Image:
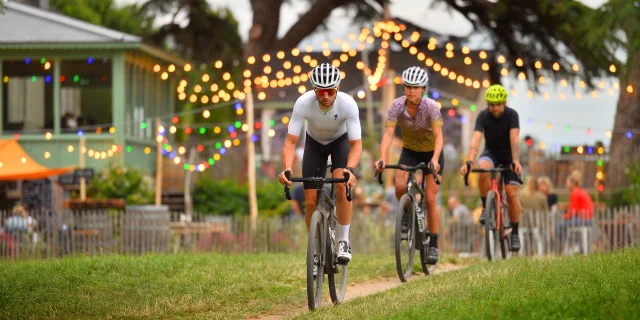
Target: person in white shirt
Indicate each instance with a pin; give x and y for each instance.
(333, 129)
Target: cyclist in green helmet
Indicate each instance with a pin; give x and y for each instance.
(501, 129)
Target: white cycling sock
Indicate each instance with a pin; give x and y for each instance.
(343, 232)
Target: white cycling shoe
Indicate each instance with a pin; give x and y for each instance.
(344, 252)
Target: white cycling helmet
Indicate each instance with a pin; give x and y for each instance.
(325, 76)
(415, 77)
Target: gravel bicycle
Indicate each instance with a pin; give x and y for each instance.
(322, 251)
(496, 217)
(411, 213)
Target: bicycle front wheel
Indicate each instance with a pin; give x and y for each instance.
(316, 250)
(405, 237)
(337, 296)
(490, 231)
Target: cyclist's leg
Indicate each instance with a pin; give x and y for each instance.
(339, 150)
(400, 178)
(486, 161)
(314, 161)
(433, 212)
(513, 203)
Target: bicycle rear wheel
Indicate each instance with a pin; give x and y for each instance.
(405, 237)
(316, 250)
(490, 231)
(341, 269)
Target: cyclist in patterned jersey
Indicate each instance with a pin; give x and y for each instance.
(421, 124)
(333, 128)
(500, 127)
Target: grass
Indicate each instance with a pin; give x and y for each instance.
(600, 286)
(165, 286)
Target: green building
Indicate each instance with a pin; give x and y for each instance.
(62, 78)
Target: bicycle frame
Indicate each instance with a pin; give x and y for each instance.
(498, 188)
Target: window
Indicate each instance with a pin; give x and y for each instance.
(85, 95)
(27, 95)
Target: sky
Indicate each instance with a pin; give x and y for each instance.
(596, 114)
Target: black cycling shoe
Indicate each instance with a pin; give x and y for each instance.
(432, 255)
(515, 242)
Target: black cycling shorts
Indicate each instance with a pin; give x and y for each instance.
(509, 177)
(316, 154)
(413, 158)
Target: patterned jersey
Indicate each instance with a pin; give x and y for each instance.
(417, 133)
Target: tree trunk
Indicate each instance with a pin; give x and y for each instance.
(625, 151)
(264, 29)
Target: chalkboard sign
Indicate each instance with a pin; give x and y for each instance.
(87, 173)
(67, 179)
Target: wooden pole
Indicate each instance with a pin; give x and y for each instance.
(251, 164)
(159, 166)
(188, 201)
(83, 181)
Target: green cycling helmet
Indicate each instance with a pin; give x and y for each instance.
(496, 94)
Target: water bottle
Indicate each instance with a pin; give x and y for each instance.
(420, 216)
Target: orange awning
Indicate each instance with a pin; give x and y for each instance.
(16, 164)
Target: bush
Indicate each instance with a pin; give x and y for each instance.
(631, 194)
(225, 197)
(121, 182)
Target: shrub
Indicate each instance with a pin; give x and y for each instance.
(225, 197)
(122, 182)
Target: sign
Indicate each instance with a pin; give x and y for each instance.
(67, 179)
(86, 173)
(74, 178)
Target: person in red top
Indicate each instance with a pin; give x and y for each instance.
(580, 211)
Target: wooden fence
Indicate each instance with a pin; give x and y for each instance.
(101, 232)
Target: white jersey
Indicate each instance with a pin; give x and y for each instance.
(326, 126)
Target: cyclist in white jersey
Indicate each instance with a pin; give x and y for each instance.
(333, 128)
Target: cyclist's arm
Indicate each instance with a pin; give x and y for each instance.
(288, 151)
(514, 137)
(475, 144)
(386, 142)
(293, 134)
(354, 153)
(438, 142)
(354, 133)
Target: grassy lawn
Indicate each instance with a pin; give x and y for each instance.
(164, 286)
(594, 287)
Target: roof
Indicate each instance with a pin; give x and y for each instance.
(24, 27)
(16, 164)
(23, 23)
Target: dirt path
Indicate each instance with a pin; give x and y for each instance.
(355, 291)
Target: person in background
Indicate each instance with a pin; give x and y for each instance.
(531, 199)
(461, 228)
(297, 203)
(546, 187)
(580, 211)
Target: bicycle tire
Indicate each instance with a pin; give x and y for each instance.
(505, 243)
(405, 207)
(314, 286)
(490, 230)
(337, 297)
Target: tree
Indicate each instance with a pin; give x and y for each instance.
(549, 31)
(617, 25)
(128, 19)
(208, 35)
(263, 35)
